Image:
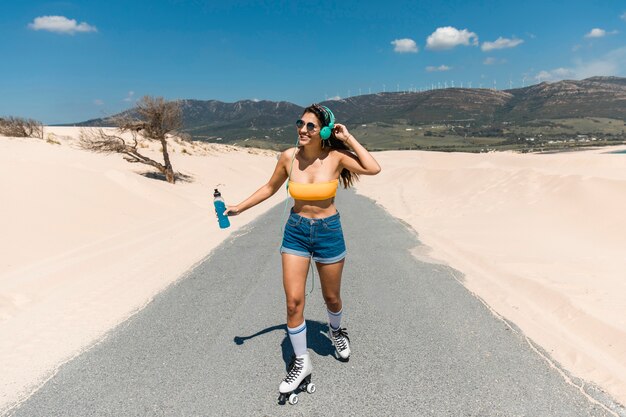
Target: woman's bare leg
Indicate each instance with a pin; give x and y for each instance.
(330, 280)
(295, 270)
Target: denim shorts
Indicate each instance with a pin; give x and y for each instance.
(321, 239)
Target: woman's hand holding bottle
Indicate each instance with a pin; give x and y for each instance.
(231, 211)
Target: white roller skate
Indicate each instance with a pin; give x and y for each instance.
(341, 342)
(298, 379)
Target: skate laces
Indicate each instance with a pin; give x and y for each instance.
(295, 368)
(340, 337)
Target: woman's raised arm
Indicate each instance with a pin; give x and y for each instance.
(363, 163)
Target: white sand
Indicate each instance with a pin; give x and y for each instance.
(87, 241)
(540, 238)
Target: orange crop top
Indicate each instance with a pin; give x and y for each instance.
(313, 192)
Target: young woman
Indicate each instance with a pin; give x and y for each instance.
(313, 230)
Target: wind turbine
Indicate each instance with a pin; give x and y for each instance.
(470, 84)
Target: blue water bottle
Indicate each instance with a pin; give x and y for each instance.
(220, 208)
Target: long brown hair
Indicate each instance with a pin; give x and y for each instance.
(347, 177)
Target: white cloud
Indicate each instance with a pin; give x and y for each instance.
(554, 75)
(493, 61)
(610, 64)
(562, 72)
(403, 46)
(129, 97)
(501, 43)
(600, 33)
(449, 37)
(60, 24)
(623, 16)
(98, 102)
(440, 68)
(596, 33)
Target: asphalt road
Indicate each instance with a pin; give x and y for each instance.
(215, 344)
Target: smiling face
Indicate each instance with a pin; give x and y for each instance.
(307, 135)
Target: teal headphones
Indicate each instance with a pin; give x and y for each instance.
(326, 131)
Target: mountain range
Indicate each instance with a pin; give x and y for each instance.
(271, 124)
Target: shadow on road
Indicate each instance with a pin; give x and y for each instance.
(316, 337)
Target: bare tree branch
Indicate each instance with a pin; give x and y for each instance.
(158, 118)
(20, 127)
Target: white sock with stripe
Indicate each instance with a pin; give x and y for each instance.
(297, 335)
(334, 318)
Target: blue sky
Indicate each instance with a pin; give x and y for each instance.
(66, 61)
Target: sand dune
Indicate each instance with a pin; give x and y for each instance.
(540, 238)
(89, 239)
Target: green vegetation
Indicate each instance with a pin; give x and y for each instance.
(542, 135)
(533, 136)
(467, 136)
(587, 125)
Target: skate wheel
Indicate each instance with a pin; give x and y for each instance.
(293, 399)
(310, 388)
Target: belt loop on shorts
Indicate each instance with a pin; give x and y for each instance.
(326, 219)
(298, 217)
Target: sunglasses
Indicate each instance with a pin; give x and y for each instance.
(310, 127)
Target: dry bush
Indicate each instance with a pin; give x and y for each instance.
(20, 128)
(52, 139)
(185, 137)
(157, 118)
